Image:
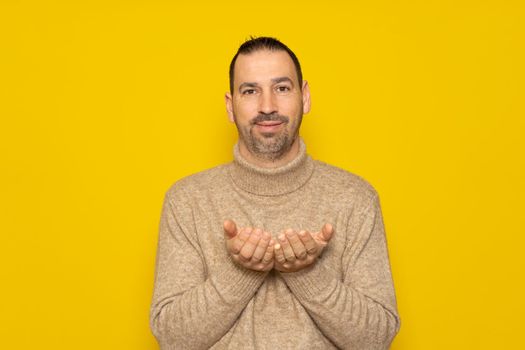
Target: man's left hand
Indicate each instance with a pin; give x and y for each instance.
(297, 250)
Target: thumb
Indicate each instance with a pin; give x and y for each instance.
(326, 232)
(230, 229)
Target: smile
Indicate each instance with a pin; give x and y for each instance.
(269, 126)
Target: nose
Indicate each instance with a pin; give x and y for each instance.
(267, 103)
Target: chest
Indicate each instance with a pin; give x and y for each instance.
(301, 211)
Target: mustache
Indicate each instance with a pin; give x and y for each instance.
(269, 118)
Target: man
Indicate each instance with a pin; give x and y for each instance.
(274, 250)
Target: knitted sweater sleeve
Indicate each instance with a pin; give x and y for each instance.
(191, 310)
(357, 311)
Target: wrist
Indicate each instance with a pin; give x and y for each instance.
(296, 266)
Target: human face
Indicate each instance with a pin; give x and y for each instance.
(267, 104)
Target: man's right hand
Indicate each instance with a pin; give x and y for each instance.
(251, 248)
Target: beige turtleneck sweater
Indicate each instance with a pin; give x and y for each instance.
(202, 299)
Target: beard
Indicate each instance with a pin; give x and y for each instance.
(270, 146)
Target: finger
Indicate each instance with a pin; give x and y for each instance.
(287, 248)
(230, 229)
(268, 255)
(296, 244)
(309, 242)
(249, 246)
(240, 239)
(279, 254)
(327, 232)
(260, 250)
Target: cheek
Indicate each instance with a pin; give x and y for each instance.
(291, 106)
(245, 109)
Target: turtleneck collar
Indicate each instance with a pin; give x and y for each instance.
(271, 181)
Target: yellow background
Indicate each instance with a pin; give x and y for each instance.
(104, 105)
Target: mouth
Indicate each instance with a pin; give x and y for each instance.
(270, 123)
(269, 126)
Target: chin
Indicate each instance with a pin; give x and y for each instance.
(268, 135)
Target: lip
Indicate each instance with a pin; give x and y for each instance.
(270, 122)
(269, 126)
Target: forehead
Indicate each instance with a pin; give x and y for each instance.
(263, 65)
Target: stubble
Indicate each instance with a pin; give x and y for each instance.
(269, 146)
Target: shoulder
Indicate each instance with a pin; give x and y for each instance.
(343, 182)
(202, 181)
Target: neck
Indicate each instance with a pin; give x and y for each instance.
(274, 181)
(270, 163)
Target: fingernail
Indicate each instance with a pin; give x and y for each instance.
(282, 238)
(277, 246)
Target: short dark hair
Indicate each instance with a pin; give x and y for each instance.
(264, 43)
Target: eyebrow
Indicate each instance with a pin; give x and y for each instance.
(243, 85)
(274, 81)
(281, 79)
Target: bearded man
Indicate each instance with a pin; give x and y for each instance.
(274, 250)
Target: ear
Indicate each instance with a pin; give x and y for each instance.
(229, 106)
(306, 97)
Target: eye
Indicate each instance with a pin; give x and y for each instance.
(248, 92)
(283, 88)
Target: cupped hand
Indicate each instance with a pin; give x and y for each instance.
(251, 248)
(296, 250)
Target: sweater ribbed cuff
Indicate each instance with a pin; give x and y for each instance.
(309, 282)
(236, 283)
